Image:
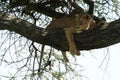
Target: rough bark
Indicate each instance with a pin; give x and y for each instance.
(90, 39)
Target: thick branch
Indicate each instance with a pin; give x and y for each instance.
(46, 10)
(43, 9)
(91, 39)
(91, 6)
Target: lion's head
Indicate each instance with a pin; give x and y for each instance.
(83, 22)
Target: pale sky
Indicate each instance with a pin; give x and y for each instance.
(103, 65)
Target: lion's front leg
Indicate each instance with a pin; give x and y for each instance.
(72, 46)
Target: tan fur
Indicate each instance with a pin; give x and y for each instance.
(71, 25)
(64, 22)
(83, 23)
(65, 56)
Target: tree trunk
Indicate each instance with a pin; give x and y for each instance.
(98, 37)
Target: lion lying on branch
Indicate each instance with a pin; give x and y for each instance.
(73, 24)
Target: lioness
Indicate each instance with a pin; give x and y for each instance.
(83, 22)
(74, 24)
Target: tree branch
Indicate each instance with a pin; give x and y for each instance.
(46, 10)
(90, 39)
